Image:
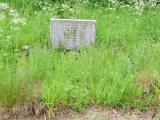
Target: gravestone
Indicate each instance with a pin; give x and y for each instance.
(72, 34)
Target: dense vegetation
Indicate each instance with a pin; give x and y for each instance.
(121, 70)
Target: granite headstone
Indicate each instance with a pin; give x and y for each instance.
(72, 34)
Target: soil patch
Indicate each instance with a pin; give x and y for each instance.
(90, 113)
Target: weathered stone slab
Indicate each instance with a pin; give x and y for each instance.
(72, 34)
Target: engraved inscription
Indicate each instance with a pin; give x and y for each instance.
(70, 33)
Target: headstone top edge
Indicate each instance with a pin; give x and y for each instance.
(73, 20)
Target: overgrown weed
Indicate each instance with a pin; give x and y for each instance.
(127, 49)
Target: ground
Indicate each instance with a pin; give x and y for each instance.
(121, 69)
(90, 113)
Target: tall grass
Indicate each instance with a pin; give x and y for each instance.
(127, 46)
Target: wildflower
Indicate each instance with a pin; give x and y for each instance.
(44, 5)
(4, 6)
(13, 13)
(139, 7)
(18, 21)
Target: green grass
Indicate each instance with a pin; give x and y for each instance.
(105, 74)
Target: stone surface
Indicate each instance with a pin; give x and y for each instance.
(72, 34)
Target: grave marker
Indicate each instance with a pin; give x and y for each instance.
(72, 34)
